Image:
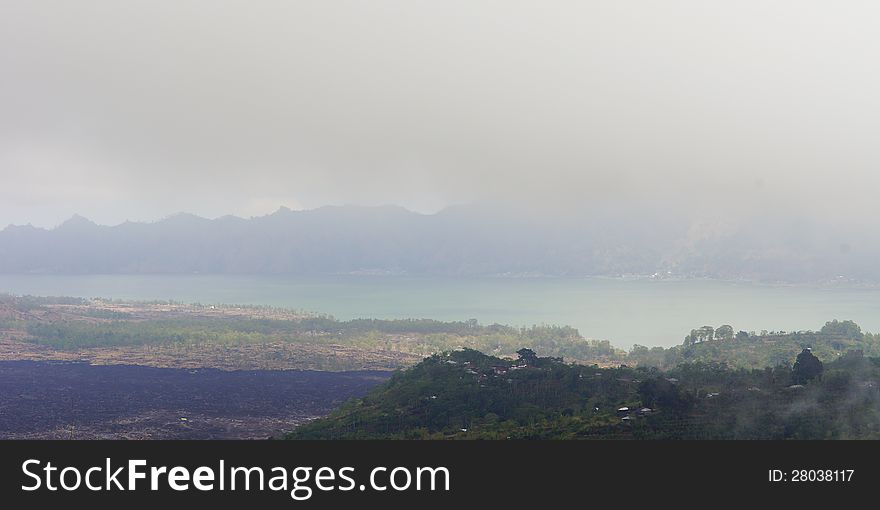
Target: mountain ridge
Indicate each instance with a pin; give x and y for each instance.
(457, 241)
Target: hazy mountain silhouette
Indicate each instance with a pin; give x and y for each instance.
(455, 241)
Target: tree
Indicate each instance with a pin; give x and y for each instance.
(844, 329)
(659, 392)
(742, 335)
(708, 333)
(528, 356)
(724, 332)
(704, 334)
(806, 367)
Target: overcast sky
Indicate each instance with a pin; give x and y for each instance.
(137, 110)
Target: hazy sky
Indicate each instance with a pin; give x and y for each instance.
(136, 110)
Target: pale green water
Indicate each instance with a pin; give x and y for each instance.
(641, 311)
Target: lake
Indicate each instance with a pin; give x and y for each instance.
(624, 311)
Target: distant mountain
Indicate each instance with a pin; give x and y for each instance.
(460, 241)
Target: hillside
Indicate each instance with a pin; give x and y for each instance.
(757, 350)
(468, 395)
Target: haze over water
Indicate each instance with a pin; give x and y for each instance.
(624, 311)
(733, 141)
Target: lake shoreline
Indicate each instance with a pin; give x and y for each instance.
(599, 307)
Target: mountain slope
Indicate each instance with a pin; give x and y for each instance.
(459, 241)
(467, 395)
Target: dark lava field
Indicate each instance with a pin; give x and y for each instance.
(69, 400)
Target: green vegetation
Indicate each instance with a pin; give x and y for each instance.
(719, 383)
(421, 337)
(72, 324)
(751, 350)
(468, 395)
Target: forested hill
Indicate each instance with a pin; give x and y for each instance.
(757, 350)
(468, 395)
(455, 241)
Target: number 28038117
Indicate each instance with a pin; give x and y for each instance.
(811, 475)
